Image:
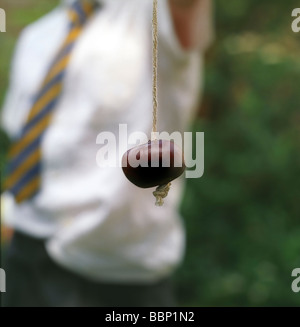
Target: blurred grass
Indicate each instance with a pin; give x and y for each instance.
(242, 216)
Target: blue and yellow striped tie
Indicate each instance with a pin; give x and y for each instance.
(25, 157)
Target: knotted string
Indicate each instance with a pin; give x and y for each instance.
(162, 190)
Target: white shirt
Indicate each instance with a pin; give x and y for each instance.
(97, 223)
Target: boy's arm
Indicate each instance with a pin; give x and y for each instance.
(192, 22)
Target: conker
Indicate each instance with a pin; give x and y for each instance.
(155, 163)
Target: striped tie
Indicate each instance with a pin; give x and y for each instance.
(25, 157)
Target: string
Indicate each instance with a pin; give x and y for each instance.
(162, 190)
(160, 193)
(154, 57)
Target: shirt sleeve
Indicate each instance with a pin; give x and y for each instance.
(9, 113)
(167, 34)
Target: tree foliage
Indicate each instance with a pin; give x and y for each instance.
(242, 216)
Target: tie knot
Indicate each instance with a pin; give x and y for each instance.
(80, 11)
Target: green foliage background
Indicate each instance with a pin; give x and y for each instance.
(242, 216)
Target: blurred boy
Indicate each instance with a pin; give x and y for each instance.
(87, 237)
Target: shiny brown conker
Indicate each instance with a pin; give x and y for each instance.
(155, 163)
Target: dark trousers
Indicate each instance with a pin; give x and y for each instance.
(34, 280)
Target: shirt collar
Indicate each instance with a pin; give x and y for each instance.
(69, 2)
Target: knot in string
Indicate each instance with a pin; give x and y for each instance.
(160, 193)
